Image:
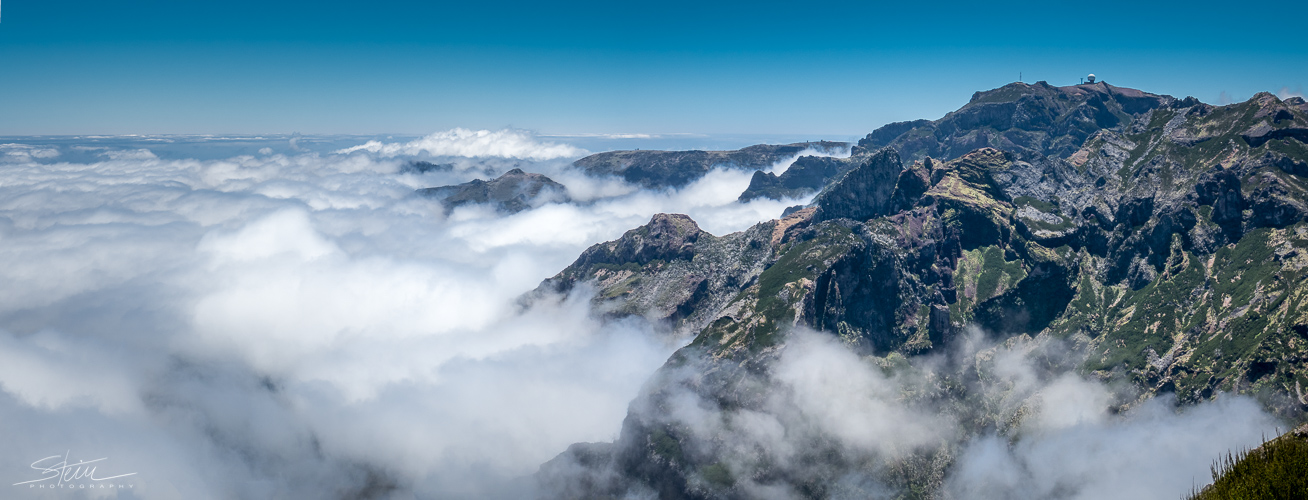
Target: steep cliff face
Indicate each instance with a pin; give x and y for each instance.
(1167, 248)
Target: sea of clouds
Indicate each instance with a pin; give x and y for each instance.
(299, 325)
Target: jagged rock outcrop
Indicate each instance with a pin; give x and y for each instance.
(862, 192)
(1166, 248)
(1274, 120)
(512, 192)
(675, 169)
(806, 176)
(669, 270)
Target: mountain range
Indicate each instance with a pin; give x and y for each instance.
(1162, 241)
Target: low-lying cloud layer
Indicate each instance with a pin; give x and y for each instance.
(279, 326)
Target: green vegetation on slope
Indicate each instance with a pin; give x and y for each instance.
(1277, 470)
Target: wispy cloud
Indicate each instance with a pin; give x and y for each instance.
(507, 143)
(1286, 93)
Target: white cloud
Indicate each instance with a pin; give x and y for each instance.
(1286, 93)
(273, 326)
(24, 152)
(839, 393)
(507, 143)
(133, 154)
(1150, 452)
(1011, 420)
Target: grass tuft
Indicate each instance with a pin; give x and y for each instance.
(1276, 470)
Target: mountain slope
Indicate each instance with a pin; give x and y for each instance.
(1166, 249)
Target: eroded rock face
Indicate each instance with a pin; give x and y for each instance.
(862, 192)
(668, 269)
(1166, 248)
(512, 192)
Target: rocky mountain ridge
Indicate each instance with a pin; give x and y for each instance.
(1162, 239)
(654, 169)
(1031, 121)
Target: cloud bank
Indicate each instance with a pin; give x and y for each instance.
(24, 152)
(506, 143)
(278, 326)
(988, 420)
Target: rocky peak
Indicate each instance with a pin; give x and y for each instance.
(862, 192)
(512, 192)
(666, 237)
(978, 168)
(1297, 102)
(1262, 118)
(669, 270)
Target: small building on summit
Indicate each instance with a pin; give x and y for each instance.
(1090, 79)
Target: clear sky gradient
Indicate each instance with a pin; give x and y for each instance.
(838, 69)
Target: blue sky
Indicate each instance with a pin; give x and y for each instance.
(834, 70)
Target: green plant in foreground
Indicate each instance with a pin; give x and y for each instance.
(1276, 470)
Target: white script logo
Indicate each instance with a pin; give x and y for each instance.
(57, 472)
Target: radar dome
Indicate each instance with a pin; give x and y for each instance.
(1091, 78)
